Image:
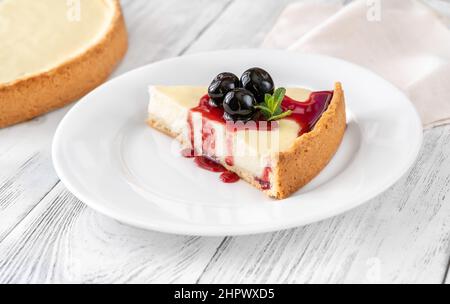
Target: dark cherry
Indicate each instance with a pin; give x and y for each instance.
(220, 86)
(239, 105)
(259, 82)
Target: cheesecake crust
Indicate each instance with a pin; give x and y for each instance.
(34, 95)
(312, 151)
(161, 127)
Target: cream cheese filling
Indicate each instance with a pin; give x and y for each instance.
(38, 35)
(252, 150)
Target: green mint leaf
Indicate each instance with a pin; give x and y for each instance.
(271, 107)
(280, 116)
(263, 107)
(265, 110)
(277, 111)
(271, 104)
(279, 95)
(266, 98)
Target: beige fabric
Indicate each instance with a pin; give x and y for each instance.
(405, 41)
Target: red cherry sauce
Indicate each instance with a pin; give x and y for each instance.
(211, 165)
(305, 113)
(188, 153)
(264, 180)
(229, 177)
(208, 141)
(308, 112)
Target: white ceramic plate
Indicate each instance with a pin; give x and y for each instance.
(107, 156)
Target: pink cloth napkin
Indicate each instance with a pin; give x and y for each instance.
(404, 41)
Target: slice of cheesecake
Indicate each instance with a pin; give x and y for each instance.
(276, 157)
(53, 52)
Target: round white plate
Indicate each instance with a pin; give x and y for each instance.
(110, 159)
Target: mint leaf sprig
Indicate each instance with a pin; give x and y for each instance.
(271, 107)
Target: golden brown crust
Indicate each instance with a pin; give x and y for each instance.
(312, 151)
(29, 97)
(161, 127)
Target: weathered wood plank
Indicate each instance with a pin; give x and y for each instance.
(21, 191)
(63, 241)
(244, 24)
(165, 28)
(26, 170)
(401, 236)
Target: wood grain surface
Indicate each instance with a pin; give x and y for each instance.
(49, 236)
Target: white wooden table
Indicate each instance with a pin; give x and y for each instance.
(48, 235)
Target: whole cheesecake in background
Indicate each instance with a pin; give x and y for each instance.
(53, 52)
